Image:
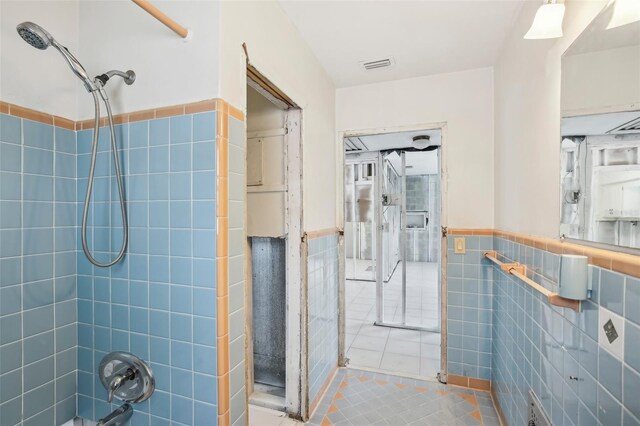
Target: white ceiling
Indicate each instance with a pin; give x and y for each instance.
(599, 124)
(385, 141)
(424, 36)
(418, 163)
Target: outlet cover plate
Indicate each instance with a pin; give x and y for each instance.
(615, 347)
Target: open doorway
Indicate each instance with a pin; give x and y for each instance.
(393, 257)
(273, 251)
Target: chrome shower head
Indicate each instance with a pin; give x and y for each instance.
(35, 35)
(39, 38)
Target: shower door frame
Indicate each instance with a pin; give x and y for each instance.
(380, 320)
(340, 213)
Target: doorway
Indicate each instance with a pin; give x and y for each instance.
(393, 257)
(273, 249)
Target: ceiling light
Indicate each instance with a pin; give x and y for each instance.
(548, 21)
(421, 141)
(624, 12)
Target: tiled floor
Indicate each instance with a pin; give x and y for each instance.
(395, 350)
(361, 398)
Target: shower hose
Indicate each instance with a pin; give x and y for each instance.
(87, 198)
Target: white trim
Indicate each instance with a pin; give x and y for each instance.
(295, 384)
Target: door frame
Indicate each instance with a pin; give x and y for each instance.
(296, 323)
(341, 161)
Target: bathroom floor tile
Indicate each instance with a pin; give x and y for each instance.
(400, 363)
(403, 347)
(362, 398)
(364, 358)
(369, 344)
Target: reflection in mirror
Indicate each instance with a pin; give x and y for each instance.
(600, 134)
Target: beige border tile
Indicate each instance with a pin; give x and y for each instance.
(170, 111)
(620, 262)
(64, 123)
(236, 113)
(130, 117)
(202, 106)
(479, 384)
(30, 114)
(453, 379)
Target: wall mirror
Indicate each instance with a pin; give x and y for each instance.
(600, 131)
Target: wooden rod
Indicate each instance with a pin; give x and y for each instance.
(160, 16)
(530, 282)
(519, 271)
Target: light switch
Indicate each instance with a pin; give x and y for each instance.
(459, 246)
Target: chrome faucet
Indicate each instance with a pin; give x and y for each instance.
(118, 380)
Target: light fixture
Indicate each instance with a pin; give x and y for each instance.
(624, 12)
(421, 141)
(548, 21)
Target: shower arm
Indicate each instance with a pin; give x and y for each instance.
(129, 77)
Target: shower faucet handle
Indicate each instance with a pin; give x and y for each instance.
(117, 381)
(126, 377)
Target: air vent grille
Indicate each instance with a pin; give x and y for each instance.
(377, 64)
(632, 126)
(537, 416)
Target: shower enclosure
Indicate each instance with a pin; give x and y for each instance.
(392, 236)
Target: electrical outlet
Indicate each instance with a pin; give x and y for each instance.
(459, 246)
(611, 332)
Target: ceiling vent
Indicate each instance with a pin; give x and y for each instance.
(377, 64)
(632, 126)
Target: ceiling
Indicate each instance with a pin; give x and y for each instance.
(599, 124)
(418, 163)
(385, 141)
(423, 37)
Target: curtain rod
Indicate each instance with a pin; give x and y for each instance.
(162, 17)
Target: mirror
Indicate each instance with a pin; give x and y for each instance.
(600, 133)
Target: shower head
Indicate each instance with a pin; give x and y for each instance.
(39, 38)
(35, 35)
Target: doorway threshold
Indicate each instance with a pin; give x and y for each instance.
(268, 396)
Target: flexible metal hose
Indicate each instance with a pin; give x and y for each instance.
(87, 198)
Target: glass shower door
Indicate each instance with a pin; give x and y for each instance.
(409, 289)
(360, 219)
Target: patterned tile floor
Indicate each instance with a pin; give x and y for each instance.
(362, 398)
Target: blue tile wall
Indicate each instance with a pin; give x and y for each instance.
(470, 302)
(322, 279)
(538, 346)
(38, 320)
(160, 301)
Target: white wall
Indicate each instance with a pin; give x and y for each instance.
(105, 35)
(602, 81)
(34, 78)
(120, 35)
(527, 126)
(464, 100)
(277, 50)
